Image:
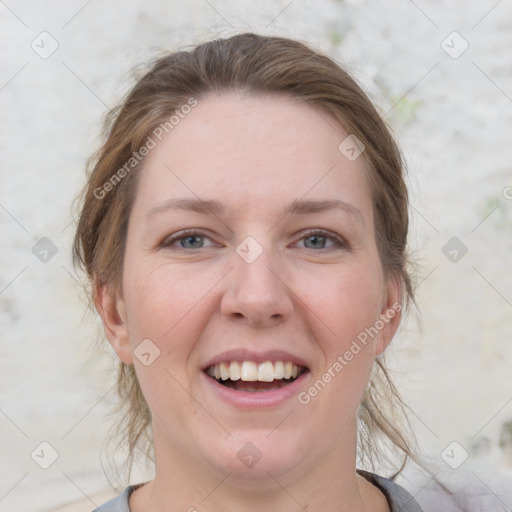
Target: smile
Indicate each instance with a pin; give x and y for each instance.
(250, 376)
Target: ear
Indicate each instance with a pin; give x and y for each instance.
(112, 310)
(391, 313)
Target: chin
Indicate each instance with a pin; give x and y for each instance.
(259, 456)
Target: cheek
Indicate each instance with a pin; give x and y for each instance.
(169, 307)
(347, 307)
(162, 299)
(348, 301)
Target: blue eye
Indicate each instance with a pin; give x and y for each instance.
(194, 240)
(190, 240)
(318, 240)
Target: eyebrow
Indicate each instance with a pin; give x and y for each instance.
(297, 207)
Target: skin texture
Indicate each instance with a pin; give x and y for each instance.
(310, 297)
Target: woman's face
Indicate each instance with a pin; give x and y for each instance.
(278, 265)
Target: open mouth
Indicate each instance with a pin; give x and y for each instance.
(251, 377)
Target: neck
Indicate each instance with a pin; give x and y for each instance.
(332, 485)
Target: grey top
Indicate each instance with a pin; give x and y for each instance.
(399, 499)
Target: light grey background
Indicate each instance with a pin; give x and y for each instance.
(452, 116)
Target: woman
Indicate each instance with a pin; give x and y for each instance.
(244, 230)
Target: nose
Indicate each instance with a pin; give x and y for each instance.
(256, 293)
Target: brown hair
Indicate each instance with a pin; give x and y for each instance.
(258, 65)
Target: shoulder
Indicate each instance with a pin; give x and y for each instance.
(469, 488)
(119, 503)
(399, 500)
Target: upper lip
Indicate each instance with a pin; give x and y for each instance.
(257, 357)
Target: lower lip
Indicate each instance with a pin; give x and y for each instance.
(257, 399)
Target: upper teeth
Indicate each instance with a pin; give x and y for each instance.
(251, 371)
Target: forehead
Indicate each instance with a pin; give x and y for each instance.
(247, 150)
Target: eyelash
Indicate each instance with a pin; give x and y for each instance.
(167, 243)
